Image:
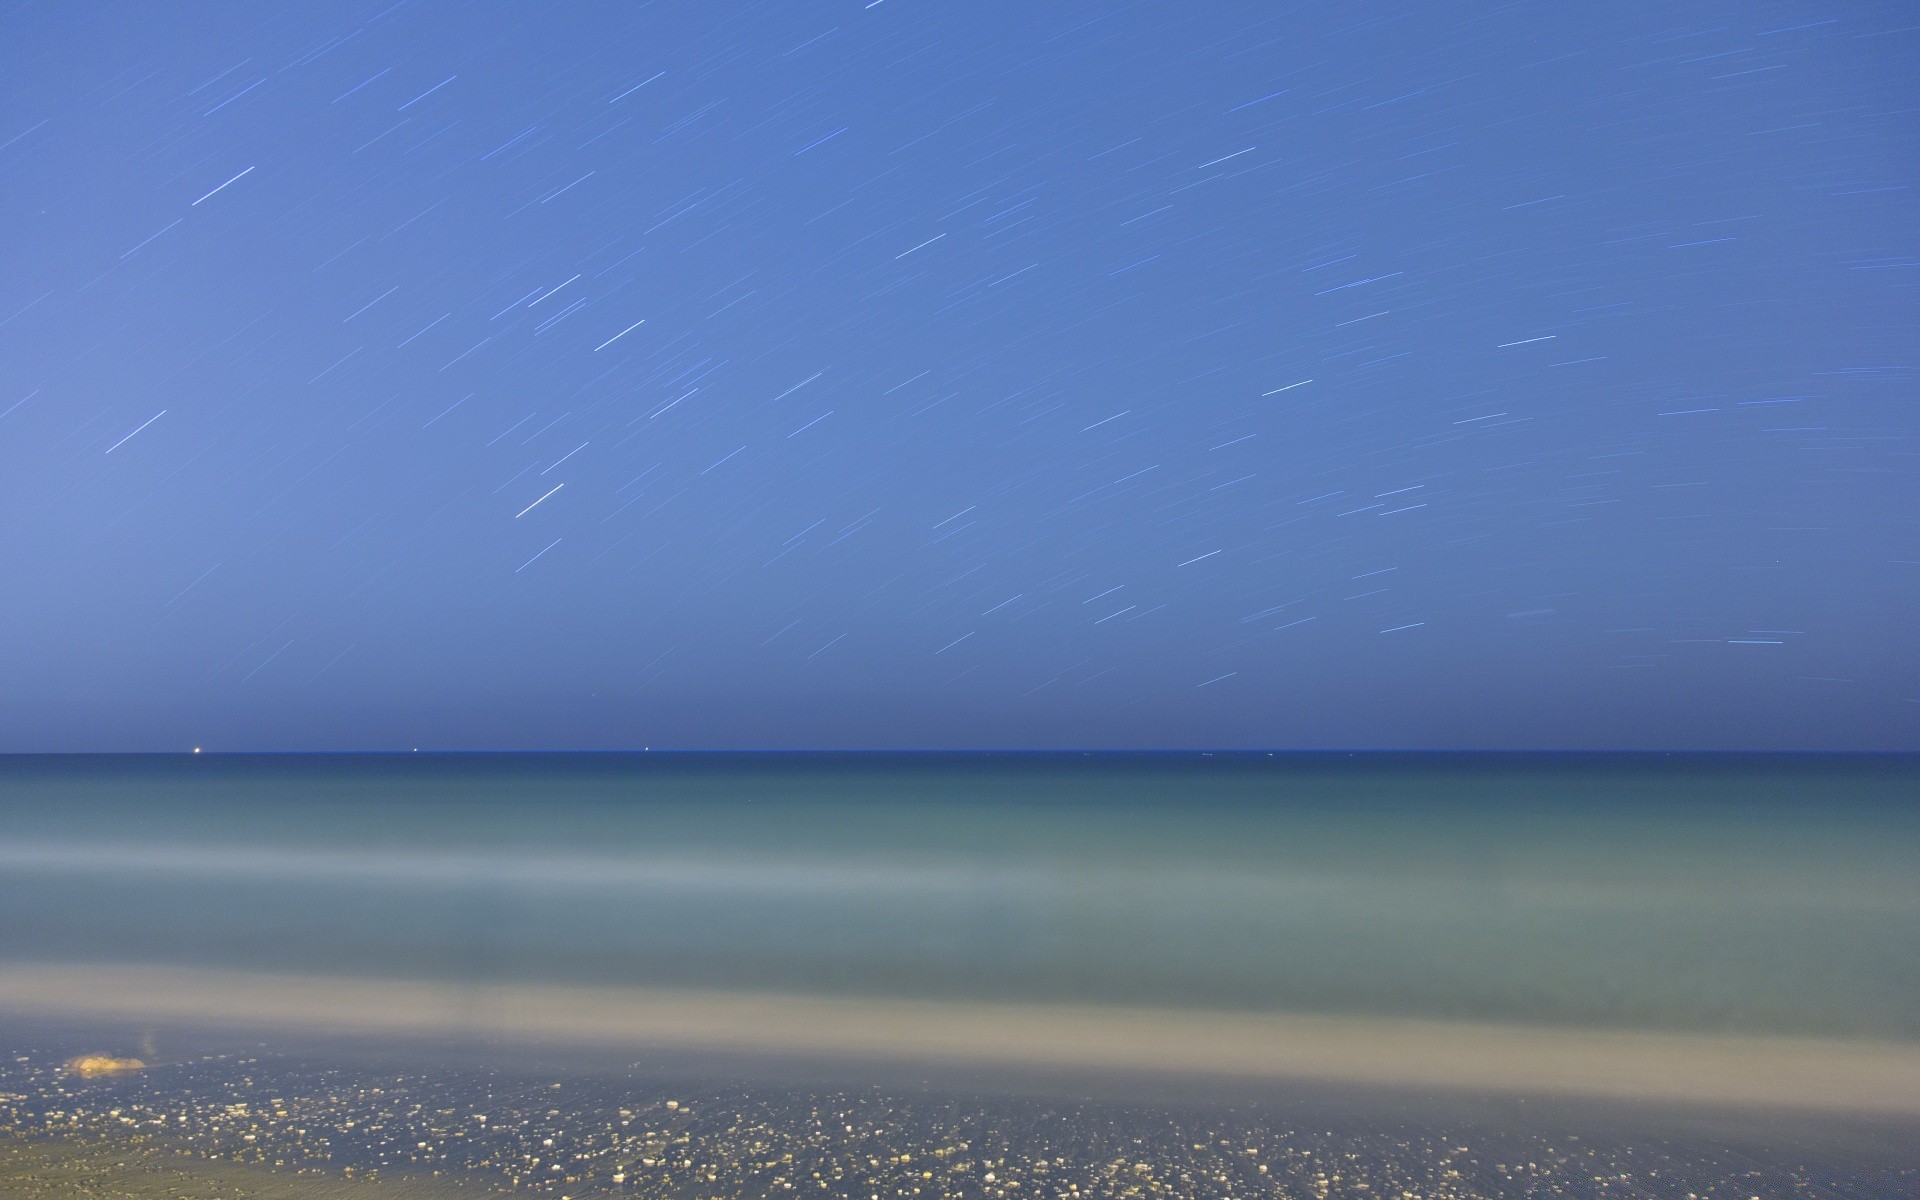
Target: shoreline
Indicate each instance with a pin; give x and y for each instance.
(1819, 1074)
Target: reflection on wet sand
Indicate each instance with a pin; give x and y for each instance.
(314, 1121)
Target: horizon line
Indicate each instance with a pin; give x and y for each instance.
(980, 751)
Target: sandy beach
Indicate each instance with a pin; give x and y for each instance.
(115, 1170)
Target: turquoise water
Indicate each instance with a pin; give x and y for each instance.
(1749, 894)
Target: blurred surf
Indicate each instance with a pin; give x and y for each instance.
(1722, 896)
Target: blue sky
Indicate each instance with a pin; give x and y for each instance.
(493, 375)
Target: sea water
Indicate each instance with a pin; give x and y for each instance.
(1762, 895)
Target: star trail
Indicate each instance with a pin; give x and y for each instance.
(920, 374)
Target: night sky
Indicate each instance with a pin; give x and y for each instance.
(930, 374)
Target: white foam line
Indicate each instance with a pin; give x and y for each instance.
(1828, 1074)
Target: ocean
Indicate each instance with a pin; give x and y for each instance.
(1768, 895)
(1078, 975)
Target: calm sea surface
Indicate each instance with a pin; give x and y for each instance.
(1727, 894)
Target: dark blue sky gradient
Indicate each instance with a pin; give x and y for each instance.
(933, 374)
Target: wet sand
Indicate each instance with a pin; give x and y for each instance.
(1831, 1075)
